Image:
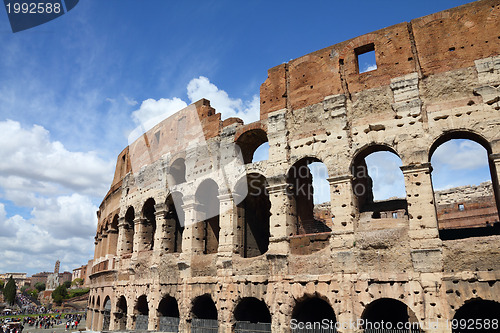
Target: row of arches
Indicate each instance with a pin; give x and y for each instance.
(307, 179)
(310, 313)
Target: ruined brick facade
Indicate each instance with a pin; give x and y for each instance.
(275, 258)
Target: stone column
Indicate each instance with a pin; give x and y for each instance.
(153, 319)
(192, 242)
(139, 236)
(96, 248)
(104, 244)
(423, 223)
(282, 221)
(112, 247)
(161, 229)
(343, 209)
(495, 163)
(228, 224)
(122, 239)
(426, 251)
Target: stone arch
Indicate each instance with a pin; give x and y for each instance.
(174, 222)
(106, 313)
(483, 213)
(120, 315)
(300, 186)
(313, 309)
(477, 311)
(129, 230)
(391, 311)
(149, 224)
(204, 313)
(362, 184)
(141, 311)
(254, 212)
(251, 310)
(177, 172)
(168, 314)
(249, 141)
(208, 209)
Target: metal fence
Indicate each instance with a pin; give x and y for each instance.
(248, 327)
(314, 330)
(169, 324)
(141, 322)
(106, 320)
(204, 325)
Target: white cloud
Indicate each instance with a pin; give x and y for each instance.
(33, 158)
(59, 187)
(201, 87)
(461, 154)
(151, 111)
(387, 177)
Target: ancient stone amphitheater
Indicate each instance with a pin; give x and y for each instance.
(190, 240)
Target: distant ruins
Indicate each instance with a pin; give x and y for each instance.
(187, 242)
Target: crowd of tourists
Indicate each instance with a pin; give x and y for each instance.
(71, 321)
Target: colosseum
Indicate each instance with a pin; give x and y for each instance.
(197, 235)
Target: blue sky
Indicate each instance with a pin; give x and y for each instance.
(73, 89)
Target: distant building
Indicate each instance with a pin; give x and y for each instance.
(39, 278)
(19, 278)
(80, 273)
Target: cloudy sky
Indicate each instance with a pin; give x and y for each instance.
(72, 90)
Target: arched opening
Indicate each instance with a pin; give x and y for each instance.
(175, 222)
(310, 201)
(149, 226)
(106, 314)
(121, 314)
(311, 312)
(177, 172)
(477, 312)
(204, 314)
(386, 313)
(253, 215)
(128, 246)
(378, 184)
(249, 142)
(168, 313)
(465, 186)
(208, 212)
(253, 315)
(141, 313)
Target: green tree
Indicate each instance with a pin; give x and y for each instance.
(77, 282)
(33, 293)
(9, 291)
(67, 284)
(59, 294)
(40, 286)
(24, 288)
(2, 283)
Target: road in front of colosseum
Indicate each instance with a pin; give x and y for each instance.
(56, 329)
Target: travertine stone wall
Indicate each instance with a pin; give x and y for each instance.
(437, 79)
